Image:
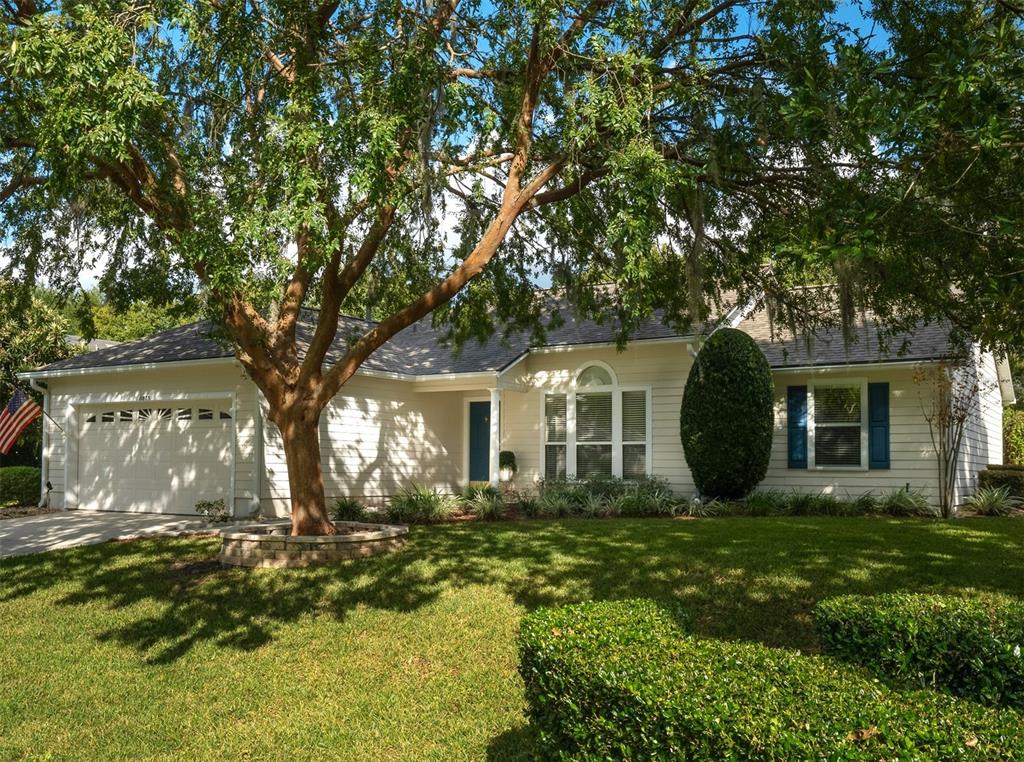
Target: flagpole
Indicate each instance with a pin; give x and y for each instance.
(55, 423)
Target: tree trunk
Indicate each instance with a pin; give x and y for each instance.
(301, 435)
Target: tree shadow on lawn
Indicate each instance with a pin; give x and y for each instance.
(747, 579)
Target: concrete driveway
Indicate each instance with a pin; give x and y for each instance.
(36, 534)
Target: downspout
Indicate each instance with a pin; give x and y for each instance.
(44, 456)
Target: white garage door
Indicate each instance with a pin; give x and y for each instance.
(154, 458)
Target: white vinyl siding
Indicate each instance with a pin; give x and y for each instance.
(912, 458)
(114, 395)
(377, 436)
(983, 432)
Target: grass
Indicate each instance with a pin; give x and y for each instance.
(149, 650)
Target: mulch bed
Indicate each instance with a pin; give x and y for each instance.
(18, 511)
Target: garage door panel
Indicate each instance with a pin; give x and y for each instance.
(154, 459)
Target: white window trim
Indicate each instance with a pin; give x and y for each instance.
(616, 389)
(860, 381)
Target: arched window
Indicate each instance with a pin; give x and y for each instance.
(597, 428)
(594, 375)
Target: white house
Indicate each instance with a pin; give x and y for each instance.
(159, 423)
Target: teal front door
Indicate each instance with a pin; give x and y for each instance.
(479, 441)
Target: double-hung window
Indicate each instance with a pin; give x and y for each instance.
(837, 424)
(840, 424)
(555, 436)
(597, 428)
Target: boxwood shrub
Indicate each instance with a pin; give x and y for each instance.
(622, 680)
(727, 418)
(970, 647)
(19, 485)
(1013, 436)
(1009, 476)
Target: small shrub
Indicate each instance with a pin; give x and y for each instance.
(1013, 436)
(622, 680)
(556, 504)
(727, 418)
(565, 491)
(19, 485)
(418, 504)
(821, 504)
(605, 487)
(767, 502)
(606, 496)
(904, 502)
(482, 488)
(993, 501)
(529, 505)
(865, 504)
(638, 504)
(594, 506)
(1011, 477)
(214, 510)
(348, 509)
(655, 486)
(486, 504)
(777, 503)
(970, 647)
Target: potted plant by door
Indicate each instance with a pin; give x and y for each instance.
(507, 467)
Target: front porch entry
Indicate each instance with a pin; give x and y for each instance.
(481, 434)
(479, 440)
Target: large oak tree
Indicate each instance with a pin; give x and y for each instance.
(409, 157)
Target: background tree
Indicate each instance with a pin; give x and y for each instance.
(31, 334)
(137, 320)
(350, 153)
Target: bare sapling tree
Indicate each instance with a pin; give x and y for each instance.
(950, 393)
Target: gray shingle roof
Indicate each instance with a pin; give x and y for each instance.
(419, 351)
(827, 347)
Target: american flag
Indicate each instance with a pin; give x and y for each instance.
(18, 414)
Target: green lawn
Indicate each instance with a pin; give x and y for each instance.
(149, 649)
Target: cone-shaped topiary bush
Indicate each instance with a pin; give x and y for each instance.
(727, 419)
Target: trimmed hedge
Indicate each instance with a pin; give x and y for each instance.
(621, 680)
(898, 503)
(970, 647)
(727, 417)
(1013, 436)
(19, 485)
(1011, 477)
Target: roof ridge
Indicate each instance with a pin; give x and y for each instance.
(342, 314)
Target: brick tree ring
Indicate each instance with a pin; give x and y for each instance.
(270, 545)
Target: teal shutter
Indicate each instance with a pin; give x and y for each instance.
(878, 425)
(796, 418)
